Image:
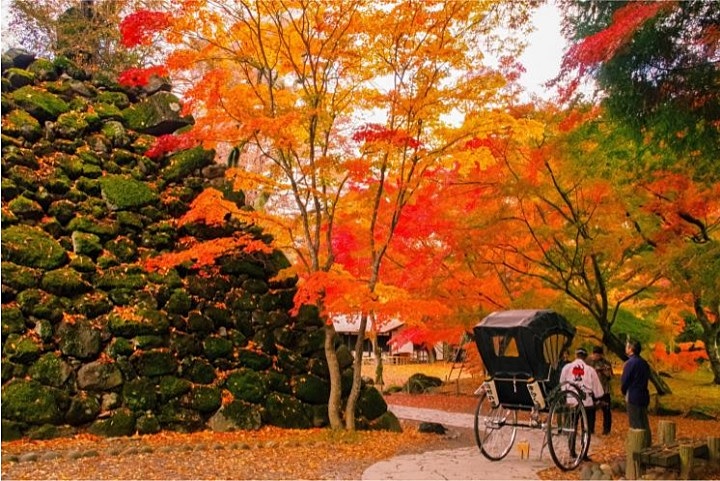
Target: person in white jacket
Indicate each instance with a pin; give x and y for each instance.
(581, 374)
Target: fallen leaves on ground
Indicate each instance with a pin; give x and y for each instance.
(274, 453)
(270, 453)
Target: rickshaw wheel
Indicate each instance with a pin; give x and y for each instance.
(568, 436)
(495, 429)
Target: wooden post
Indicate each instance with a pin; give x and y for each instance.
(713, 443)
(687, 456)
(635, 443)
(666, 430)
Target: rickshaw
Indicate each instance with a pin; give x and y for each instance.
(522, 351)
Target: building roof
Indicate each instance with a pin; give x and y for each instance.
(349, 325)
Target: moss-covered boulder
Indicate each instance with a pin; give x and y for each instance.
(65, 282)
(13, 320)
(154, 362)
(420, 383)
(22, 349)
(70, 125)
(140, 395)
(287, 412)
(29, 402)
(171, 387)
(159, 114)
(19, 123)
(387, 422)
(41, 104)
(204, 399)
(120, 423)
(185, 163)
(31, 247)
(124, 193)
(311, 389)
(237, 415)
(19, 277)
(247, 385)
(371, 404)
(40, 304)
(99, 376)
(83, 409)
(79, 338)
(50, 370)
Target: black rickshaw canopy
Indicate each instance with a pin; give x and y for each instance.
(523, 343)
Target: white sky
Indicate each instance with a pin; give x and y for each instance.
(541, 58)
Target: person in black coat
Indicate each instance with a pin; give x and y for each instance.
(634, 386)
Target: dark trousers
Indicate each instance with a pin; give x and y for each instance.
(603, 404)
(638, 419)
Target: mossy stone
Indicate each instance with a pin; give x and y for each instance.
(247, 385)
(72, 165)
(58, 183)
(140, 322)
(50, 370)
(257, 361)
(198, 370)
(9, 190)
(82, 263)
(64, 282)
(86, 244)
(158, 114)
(115, 133)
(31, 247)
(386, 422)
(216, 347)
(39, 103)
(309, 316)
(79, 339)
(21, 349)
(287, 412)
(99, 376)
(19, 77)
(155, 362)
(184, 163)
(44, 330)
(311, 389)
(204, 399)
(19, 277)
(130, 220)
(24, 177)
(171, 387)
(179, 302)
(139, 395)
(87, 185)
(92, 304)
(11, 430)
(371, 404)
(122, 277)
(25, 208)
(103, 229)
(123, 248)
(120, 346)
(237, 415)
(29, 402)
(107, 111)
(122, 193)
(70, 125)
(13, 321)
(91, 171)
(119, 99)
(35, 302)
(19, 123)
(148, 423)
(176, 418)
(197, 322)
(83, 409)
(120, 423)
(43, 69)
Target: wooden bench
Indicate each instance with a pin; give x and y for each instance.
(669, 456)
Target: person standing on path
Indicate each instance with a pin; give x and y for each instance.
(634, 386)
(582, 374)
(605, 372)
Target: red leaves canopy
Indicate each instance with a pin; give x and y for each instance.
(139, 28)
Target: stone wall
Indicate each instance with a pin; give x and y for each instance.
(92, 340)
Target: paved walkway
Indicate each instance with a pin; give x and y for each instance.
(463, 463)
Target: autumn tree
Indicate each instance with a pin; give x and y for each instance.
(657, 64)
(284, 88)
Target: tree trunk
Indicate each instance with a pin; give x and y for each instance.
(335, 401)
(357, 376)
(710, 336)
(617, 346)
(378, 364)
